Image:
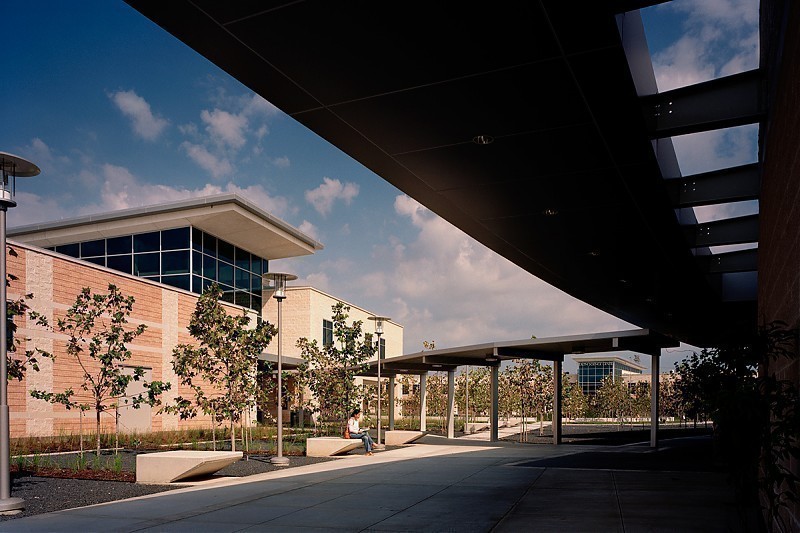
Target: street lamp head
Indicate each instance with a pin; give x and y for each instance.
(11, 168)
(379, 320)
(278, 283)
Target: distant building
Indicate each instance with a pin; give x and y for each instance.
(593, 369)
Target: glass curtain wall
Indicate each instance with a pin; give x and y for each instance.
(186, 258)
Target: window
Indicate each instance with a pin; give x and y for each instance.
(119, 245)
(175, 262)
(327, 332)
(146, 264)
(175, 239)
(146, 242)
(187, 258)
(93, 248)
(73, 250)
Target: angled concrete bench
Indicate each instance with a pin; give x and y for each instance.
(397, 437)
(167, 467)
(327, 446)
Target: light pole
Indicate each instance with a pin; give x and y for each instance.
(278, 287)
(379, 320)
(11, 167)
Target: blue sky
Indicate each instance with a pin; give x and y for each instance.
(118, 113)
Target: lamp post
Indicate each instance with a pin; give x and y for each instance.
(278, 287)
(11, 167)
(379, 320)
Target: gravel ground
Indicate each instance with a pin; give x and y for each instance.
(48, 494)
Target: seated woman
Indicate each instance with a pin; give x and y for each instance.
(357, 433)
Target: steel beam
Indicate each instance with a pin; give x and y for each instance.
(739, 230)
(720, 186)
(721, 103)
(740, 261)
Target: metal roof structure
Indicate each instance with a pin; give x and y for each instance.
(228, 216)
(547, 349)
(534, 127)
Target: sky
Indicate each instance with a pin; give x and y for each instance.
(118, 113)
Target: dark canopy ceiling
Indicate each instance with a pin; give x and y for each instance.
(570, 189)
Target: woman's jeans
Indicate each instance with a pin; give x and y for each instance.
(365, 438)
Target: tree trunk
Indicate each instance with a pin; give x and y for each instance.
(233, 436)
(213, 431)
(116, 430)
(80, 429)
(97, 410)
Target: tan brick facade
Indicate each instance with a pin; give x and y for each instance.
(55, 280)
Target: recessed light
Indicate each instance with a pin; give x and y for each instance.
(483, 139)
(550, 212)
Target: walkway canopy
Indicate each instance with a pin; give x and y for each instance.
(549, 349)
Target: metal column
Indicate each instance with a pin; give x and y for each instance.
(423, 400)
(495, 422)
(391, 403)
(556, 424)
(655, 359)
(451, 404)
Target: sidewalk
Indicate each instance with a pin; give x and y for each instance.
(435, 485)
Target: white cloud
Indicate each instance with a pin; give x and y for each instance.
(224, 128)
(715, 149)
(323, 197)
(309, 229)
(442, 285)
(281, 162)
(217, 166)
(120, 189)
(145, 124)
(720, 38)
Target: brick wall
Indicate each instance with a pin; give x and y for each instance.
(55, 281)
(779, 239)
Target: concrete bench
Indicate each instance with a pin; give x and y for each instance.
(474, 427)
(167, 467)
(327, 446)
(397, 437)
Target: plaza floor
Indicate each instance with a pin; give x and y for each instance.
(441, 485)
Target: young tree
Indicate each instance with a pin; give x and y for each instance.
(576, 404)
(437, 396)
(98, 334)
(410, 397)
(613, 398)
(330, 370)
(477, 383)
(543, 391)
(223, 371)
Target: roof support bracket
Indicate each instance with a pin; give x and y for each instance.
(721, 103)
(737, 230)
(733, 184)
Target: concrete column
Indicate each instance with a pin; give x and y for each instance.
(451, 404)
(423, 400)
(557, 393)
(495, 422)
(391, 403)
(655, 360)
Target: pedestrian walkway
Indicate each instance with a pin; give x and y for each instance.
(435, 485)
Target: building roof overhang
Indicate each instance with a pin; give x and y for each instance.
(227, 216)
(546, 349)
(534, 127)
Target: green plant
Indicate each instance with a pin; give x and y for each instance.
(330, 370)
(80, 462)
(223, 373)
(98, 334)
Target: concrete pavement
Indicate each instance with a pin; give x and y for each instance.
(435, 485)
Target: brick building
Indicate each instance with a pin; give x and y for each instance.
(163, 256)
